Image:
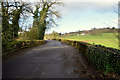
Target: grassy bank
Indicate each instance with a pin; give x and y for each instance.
(106, 39)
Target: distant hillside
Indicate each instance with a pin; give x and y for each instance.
(101, 30)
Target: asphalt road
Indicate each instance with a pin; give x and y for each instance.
(51, 60)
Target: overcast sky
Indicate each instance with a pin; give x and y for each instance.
(84, 15)
(79, 15)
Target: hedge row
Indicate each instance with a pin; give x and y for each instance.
(13, 46)
(104, 58)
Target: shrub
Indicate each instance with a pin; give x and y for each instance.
(33, 34)
(105, 59)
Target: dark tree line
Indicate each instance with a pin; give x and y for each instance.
(12, 11)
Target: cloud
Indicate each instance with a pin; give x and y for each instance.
(72, 0)
(100, 7)
(90, 0)
(115, 21)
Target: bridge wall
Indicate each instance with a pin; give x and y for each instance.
(105, 59)
(18, 45)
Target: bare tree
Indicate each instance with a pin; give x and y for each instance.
(44, 16)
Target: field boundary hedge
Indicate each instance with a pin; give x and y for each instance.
(18, 45)
(104, 58)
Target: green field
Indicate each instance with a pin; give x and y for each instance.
(106, 39)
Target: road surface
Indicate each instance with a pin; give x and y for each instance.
(51, 60)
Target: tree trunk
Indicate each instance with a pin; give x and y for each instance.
(42, 29)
